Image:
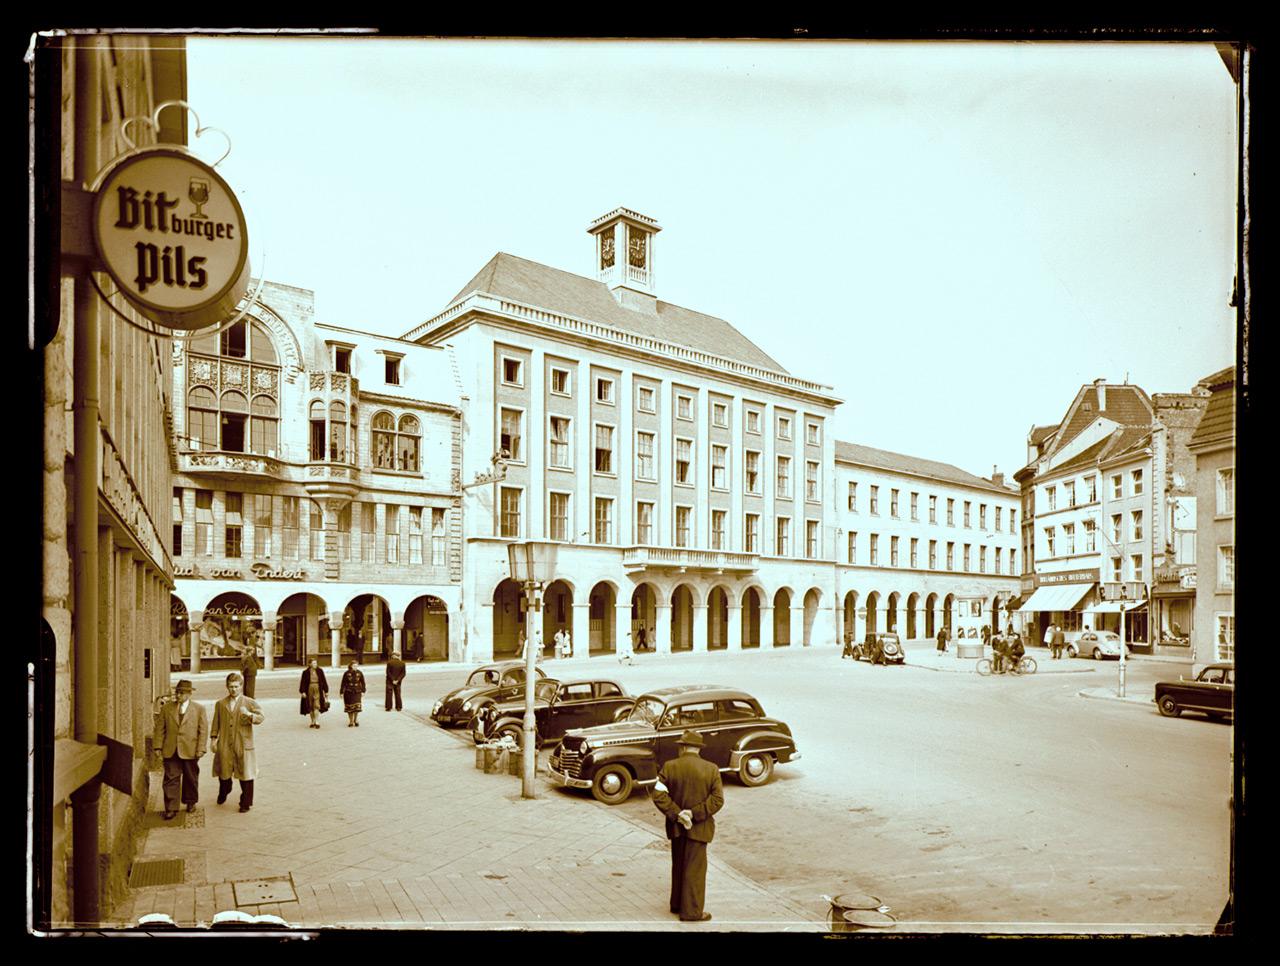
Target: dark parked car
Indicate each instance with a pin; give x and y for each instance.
(493, 682)
(879, 648)
(558, 706)
(1212, 692)
(612, 759)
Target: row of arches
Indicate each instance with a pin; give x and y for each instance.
(917, 615)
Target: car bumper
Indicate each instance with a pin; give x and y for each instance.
(565, 781)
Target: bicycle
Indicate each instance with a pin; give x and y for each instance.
(1024, 665)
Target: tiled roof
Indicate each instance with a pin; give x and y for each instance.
(913, 465)
(520, 280)
(1125, 404)
(1122, 441)
(1038, 434)
(1220, 378)
(1218, 423)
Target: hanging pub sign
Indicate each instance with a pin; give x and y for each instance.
(171, 233)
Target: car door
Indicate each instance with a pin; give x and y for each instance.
(698, 716)
(512, 685)
(1216, 693)
(571, 708)
(609, 700)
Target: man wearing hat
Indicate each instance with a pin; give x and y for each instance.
(181, 738)
(688, 792)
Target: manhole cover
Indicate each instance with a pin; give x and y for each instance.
(159, 872)
(256, 892)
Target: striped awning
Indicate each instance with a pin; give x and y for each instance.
(1056, 597)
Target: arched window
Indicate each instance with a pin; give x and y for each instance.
(407, 444)
(241, 356)
(202, 419)
(235, 414)
(396, 446)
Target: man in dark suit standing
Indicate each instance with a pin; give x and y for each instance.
(181, 738)
(688, 792)
(395, 674)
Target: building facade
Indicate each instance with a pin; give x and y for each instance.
(106, 570)
(315, 508)
(685, 477)
(1214, 447)
(1101, 493)
(921, 546)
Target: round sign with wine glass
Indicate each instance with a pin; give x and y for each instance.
(171, 234)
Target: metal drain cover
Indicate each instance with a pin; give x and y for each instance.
(256, 892)
(160, 872)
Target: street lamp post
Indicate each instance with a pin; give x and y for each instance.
(532, 564)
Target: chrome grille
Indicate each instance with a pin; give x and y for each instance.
(570, 761)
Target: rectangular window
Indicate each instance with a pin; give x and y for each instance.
(684, 407)
(1135, 566)
(853, 547)
(1069, 493)
(1226, 491)
(684, 461)
(1136, 476)
(511, 372)
(718, 457)
(784, 427)
(784, 534)
(893, 552)
(811, 492)
(604, 520)
(560, 382)
(1068, 538)
(951, 512)
(966, 512)
(392, 372)
(751, 472)
(874, 556)
(604, 391)
(644, 399)
(966, 558)
(784, 476)
(720, 414)
(1051, 497)
(1225, 642)
(1136, 524)
(997, 570)
(812, 434)
(998, 509)
(559, 513)
(933, 509)
(1226, 567)
(644, 457)
(289, 506)
(368, 532)
(752, 533)
(893, 504)
(316, 533)
(951, 556)
(915, 507)
(753, 422)
(1012, 515)
(915, 553)
(933, 554)
(811, 549)
(439, 539)
(177, 521)
(853, 497)
(415, 535)
(262, 525)
(644, 523)
(561, 445)
(982, 516)
(1090, 489)
(682, 526)
(1090, 536)
(235, 528)
(604, 449)
(510, 442)
(341, 360)
(1117, 574)
(717, 530)
(1117, 486)
(875, 501)
(391, 523)
(1116, 535)
(982, 559)
(510, 522)
(1049, 540)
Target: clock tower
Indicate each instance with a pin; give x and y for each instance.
(624, 256)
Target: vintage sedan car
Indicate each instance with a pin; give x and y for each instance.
(1212, 692)
(879, 648)
(558, 706)
(612, 759)
(1096, 644)
(501, 681)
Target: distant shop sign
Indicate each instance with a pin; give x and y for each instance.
(171, 234)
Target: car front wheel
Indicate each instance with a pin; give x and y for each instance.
(1168, 707)
(755, 770)
(1071, 651)
(612, 785)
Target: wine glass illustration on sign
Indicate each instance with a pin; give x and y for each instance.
(198, 192)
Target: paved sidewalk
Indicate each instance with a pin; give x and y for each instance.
(391, 825)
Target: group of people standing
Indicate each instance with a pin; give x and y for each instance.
(182, 735)
(314, 688)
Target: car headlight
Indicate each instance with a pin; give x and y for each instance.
(466, 705)
(435, 708)
(584, 747)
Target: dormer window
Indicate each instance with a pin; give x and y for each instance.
(340, 356)
(391, 366)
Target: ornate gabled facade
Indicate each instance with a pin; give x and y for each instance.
(316, 504)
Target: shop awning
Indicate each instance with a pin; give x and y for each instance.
(1056, 597)
(1113, 606)
(1013, 604)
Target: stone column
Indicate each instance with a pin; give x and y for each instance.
(733, 632)
(661, 638)
(268, 642)
(580, 632)
(622, 625)
(766, 625)
(700, 628)
(335, 635)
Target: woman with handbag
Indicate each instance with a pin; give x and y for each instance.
(352, 687)
(315, 692)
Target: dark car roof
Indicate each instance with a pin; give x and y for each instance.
(708, 692)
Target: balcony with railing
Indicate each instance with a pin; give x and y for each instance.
(681, 560)
(230, 464)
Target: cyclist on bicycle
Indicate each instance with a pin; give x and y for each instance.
(1015, 651)
(999, 653)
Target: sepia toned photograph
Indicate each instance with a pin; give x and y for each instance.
(696, 486)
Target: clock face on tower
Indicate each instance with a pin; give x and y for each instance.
(635, 248)
(606, 250)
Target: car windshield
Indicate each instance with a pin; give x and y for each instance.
(482, 677)
(646, 710)
(545, 689)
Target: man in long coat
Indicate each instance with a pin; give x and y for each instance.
(232, 732)
(181, 738)
(395, 674)
(688, 792)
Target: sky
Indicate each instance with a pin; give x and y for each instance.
(953, 236)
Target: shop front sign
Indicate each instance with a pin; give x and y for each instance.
(259, 571)
(171, 234)
(1069, 577)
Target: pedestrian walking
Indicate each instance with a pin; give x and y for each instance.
(181, 739)
(567, 642)
(524, 647)
(642, 639)
(315, 692)
(352, 687)
(232, 733)
(249, 667)
(688, 792)
(624, 649)
(1059, 640)
(942, 639)
(395, 674)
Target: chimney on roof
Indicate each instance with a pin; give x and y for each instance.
(1100, 387)
(997, 478)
